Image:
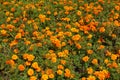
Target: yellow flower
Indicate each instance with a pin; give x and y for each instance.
(54, 59)
(78, 13)
(59, 72)
(35, 65)
(44, 77)
(30, 72)
(51, 76)
(3, 32)
(33, 78)
(30, 57)
(90, 70)
(42, 17)
(14, 57)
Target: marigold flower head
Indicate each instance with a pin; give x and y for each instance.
(21, 67)
(59, 72)
(113, 56)
(44, 77)
(90, 70)
(30, 57)
(51, 76)
(102, 29)
(91, 78)
(30, 72)
(42, 17)
(76, 37)
(35, 65)
(85, 58)
(33, 78)
(95, 61)
(14, 57)
(18, 36)
(3, 32)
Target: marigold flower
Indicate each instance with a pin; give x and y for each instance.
(102, 29)
(35, 65)
(27, 63)
(91, 78)
(42, 17)
(113, 56)
(54, 59)
(78, 13)
(83, 78)
(60, 67)
(30, 72)
(89, 51)
(14, 57)
(51, 76)
(76, 37)
(21, 67)
(95, 61)
(63, 62)
(33, 78)
(90, 70)
(30, 57)
(85, 58)
(3, 32)
(59, 72)
(25, 56)
(18, 36)
(44, 77)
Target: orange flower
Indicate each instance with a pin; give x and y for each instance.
(42, 17)
(44, 77)
(35, 65)
(63, 62)
(3, 32)
(13, 43)
(14, 57)
(33, 78)
(95, 61)
(59, 72)
(113, 57)
(60, 67)
(91, 78)
(18, 36)
(76, 37)
(30, 57)
(54, 59)
(51, 76)
(78, 13)
(101, 47)
(83, 78)
(102, 29)
(85, 58)
(78, 46)
(25, 56)
(21, 67)
(27, 63)
(30, 72)
(90, 70)
(89, 51)
(106, 61)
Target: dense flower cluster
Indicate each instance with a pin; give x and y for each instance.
(60, 40)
